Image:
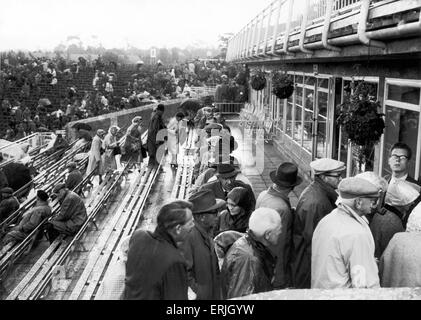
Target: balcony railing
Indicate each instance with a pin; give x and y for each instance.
(305, 25)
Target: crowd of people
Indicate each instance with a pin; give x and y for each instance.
(43, 94)
(221, 242)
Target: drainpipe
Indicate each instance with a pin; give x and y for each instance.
(326, 27)
(288, 28)
(398, 31)
(303, 29)
(362, 27)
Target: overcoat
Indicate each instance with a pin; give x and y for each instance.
(95, 156)
(202, 264)
(72, 214)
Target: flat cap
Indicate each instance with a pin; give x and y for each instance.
(58, 187)
(354, 187)
(42, 195)
(325, 165)
(100, 132)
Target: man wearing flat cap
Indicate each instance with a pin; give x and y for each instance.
(30, 220)
(285, 178)
(342, 251)
(199, 248)
(95, 159)
(316, 201)
(72, 213)
(75, 176)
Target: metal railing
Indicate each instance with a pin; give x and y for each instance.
(284, 25)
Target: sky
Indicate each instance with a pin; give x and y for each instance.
(43, 24)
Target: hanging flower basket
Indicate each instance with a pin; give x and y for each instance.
(361, 121)
(258, 81)
(282, 85)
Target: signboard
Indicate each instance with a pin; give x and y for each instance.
(153, 53)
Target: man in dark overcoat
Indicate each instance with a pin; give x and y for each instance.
(155, 125)
(316, 201)
(156, 268)
(199, 248)
(72, 213)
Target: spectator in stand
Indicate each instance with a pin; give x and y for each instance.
(222, 90)
(285, 178)
(248, 266)
(342, 252)
(156, 268)
(72, 213)
(132, 146)
(155, 126)
(95, 159)
(30, 219)
(316, 201)
(74, 177)
(199, 248)
(240, 205)
(109, 145)
(174, 127)
(8, 204)
(400, 262)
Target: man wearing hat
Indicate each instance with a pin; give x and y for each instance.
(8, 204)
(31, 219)
(75, 176)
(222, 90)
(95, 159)
(72, 213)
(155, 125)
(285, 178)
(227, 177)
(316, 201)
(342, 250)
(199, 248)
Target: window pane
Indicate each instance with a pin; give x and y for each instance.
(402, 125)
(298, 128)
(288, 128)
(299, 79)
(404, 94)
(309, 100)
(280, 106)
(310, 80)
(299, 96)
(323, 83)
(321, 124)
(308, 130)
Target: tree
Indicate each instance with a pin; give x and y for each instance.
(223, 43)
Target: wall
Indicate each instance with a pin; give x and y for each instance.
(124, 118)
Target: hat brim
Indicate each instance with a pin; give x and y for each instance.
(219, 204)
(284, 183)
(228, 175)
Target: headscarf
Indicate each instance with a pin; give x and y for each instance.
(414, 220)
(241, 197)
(117, 127)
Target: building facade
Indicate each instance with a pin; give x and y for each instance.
(328, 47)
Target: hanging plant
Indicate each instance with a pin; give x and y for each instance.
(258, 81)
(282, 85)
(361, 121)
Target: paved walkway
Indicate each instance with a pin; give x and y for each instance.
(248, 153)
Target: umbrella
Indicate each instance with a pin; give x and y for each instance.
(192, 105)
(81, 125)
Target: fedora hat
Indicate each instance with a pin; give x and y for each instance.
(286, 175)
(205, 201)
(226, 170)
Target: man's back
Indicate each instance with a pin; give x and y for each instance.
(155, 269)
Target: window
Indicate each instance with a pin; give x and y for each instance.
(288, 129)
(402, 120)
(322, 105)
(298, 113)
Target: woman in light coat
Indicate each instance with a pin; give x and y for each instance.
(110, 142)
(95, 162)
(173, 137)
